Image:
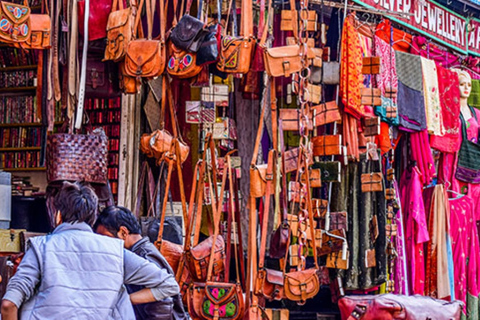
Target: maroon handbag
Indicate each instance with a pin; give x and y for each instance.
(391, 307)
(98, 17)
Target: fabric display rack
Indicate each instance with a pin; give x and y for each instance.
(322, 157)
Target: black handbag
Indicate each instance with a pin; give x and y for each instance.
(468, 168)
(188, 34)
(210, 47)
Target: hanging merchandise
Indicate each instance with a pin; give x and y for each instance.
(40, 35)
(210, 46)
(17, 18)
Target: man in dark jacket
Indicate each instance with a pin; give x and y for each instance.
(119, 222)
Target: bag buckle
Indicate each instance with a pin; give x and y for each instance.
(358, 312)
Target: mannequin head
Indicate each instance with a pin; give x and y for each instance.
(465, 83)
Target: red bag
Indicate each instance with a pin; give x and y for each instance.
(98, 17)
(391, 307)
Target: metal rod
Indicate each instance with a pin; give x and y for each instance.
(363, 9)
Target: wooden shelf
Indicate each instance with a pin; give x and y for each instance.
(21, 149)
(15, 68)
(24, 169)
(16, 89)
(26, 124)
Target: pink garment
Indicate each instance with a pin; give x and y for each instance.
(423, 47)
(387, 78)
(415, 228)
(449, 92)
(422, 154)
(400, 275)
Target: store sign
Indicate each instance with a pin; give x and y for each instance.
(474, 37)
(428, 18)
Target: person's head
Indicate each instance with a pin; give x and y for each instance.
(76, 202)
(119, 222)
(465, 81)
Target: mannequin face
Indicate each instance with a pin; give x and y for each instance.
(465, 86)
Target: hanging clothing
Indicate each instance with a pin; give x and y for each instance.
(387, 78)
(449, 95)
(423, 47)
(401, 41)
(350, 136)
(351, 70)
(415, 227)
(422, 154)
(474, 98)
(433, 110)
(400, 275)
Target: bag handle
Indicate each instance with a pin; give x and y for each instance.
(231, 197)
(266, 208)
(137, 27)
(263, 39)
(246, 25)
(83, 70)
(116, 5)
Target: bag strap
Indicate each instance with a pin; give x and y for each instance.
(224, 32)
(266, 208)
(284, 175)
(358, 312)
(231, 206)
(117, 5)
(259, 134)
(263, 38)
(246, 26)
(137, 29)
(83, 70)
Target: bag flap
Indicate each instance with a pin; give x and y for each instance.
(284, 52)
(219, 292)
(371, 178)
(40, 22)
(187, 28)
(305, 280)
(262, 171)
(118, 18)
(274, 276)
(326, 140)
(202, 250)
(16, 12)
(228, 41)
(142, 51)
(287, 14)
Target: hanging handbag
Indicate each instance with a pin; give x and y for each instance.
(372, 182)
(371, 65)
(210, 47)
(126, 83)
(236, 52)
(327, 145)
(291, 118)
(145, 58)
(189, 33)
(15, 22)
(393, 306)
(371, 97)
(97, 18)
(121, 25)
(325, 113)
(40, 35)
(101, 79)
(468, 167)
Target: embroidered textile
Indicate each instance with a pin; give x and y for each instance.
(411, 108)
(433, 111)
(387, 78)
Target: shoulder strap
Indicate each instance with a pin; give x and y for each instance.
(246, 27)
(266, 208)
(259, 134)
(137, 29)
(231, 207)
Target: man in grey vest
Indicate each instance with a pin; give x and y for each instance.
(119, 222)
(74, 273)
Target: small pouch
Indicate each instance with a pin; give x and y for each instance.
(390, 93)
(289, 19)
(390, 174)
(391, 112)
(291, 160)
(371, 65)
(331, 244)
(371, 96)
(325, 113)
(335, 261)
(314, 93)
(294, 191)
(390, 193)
(391, 230)
(295, 225)
(372, 126)
(290, 119)
(370, 260)
(372, 182)
(315, 178)
(338, 220)
(331, 170)
(331, 72)
(327, 145)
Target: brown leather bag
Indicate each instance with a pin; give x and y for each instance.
(301, 285)
(120, 26)
(159, 142)
(291, 118)
(327, 145)
(315, 177)
(182, 64)
(40, 35)
(290, 19)
(371, 65)
(128, 84)
(325, 113)
(258, 180)
(391, 307)
(145, 58)
(372, 182)
(16, 24)
(371, 97)
(236, 53)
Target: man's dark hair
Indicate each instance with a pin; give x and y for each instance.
(113, 217)
(77, 202)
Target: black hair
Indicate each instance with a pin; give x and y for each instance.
(114, 217)
(77, 202)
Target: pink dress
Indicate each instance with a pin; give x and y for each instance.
(416, 231)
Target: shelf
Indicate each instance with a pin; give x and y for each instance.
(24, 169)
(26, 124)
(15, 68)
(21, 149)
(16, 89)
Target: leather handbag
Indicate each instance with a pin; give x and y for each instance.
(101, 80)
(315, 177)
(372, 182)
(319, 207)
(371, 65)
(236, 52)
(468, 167)
(157, 143)
(189, 32)
(328, 145)
(77, 157)
(392, 306)
(126, 83)
(120, 29)
(145, 58)
(182, 64)
(15, 22)
(291, 118)
(330, 244)
(282, 61)
(325, 113)
(331, 170)
(97, 18)
(40, 35)
(290, 18)
(291, 159)
(371, 97)
(372, 126)
(301, 285)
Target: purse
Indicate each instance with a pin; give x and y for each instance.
(327, 145)
(157, 143)
(182, 64)
(315, 178)
(40, 35)
(372, 182)
(372, 126)
(291, 118)
(371, 97)
(331, 170)
(468, 167)
(330, 244)
(394, 306)
(291, 159)
(325, 113)
(331, 72)
(97, 19)
(120, 26)
(189, 32)
(236, 52)
(77, 157)
(371, 65)
(145, 58)
(15, 22)
(290, 19)
(101, 80)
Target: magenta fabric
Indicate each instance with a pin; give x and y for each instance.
(422, 154)
(416, 231)
(400, 276)
(449, 92)
(423, 47)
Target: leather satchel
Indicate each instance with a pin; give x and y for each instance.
(157, 143)
(371, 65)
(331, 170)
(372, 182)
(101, 80)
(40, 36)
(330, 244)
(290, 119)
(315, 177)
(301, 285)
(145, 58)
(372, 126)
(371, 97)
(291, 159)
(325, 113)
(15, 22)
(282, 61)
(328, 145)
(391, 307)
(198, 258)
(270, 284)
(258, 180)
(120, 27)
(189, 33)
(289, 18)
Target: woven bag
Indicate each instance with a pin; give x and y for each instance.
(77, 157)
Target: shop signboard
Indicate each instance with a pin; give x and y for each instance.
(474, 37)
(428, 18)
